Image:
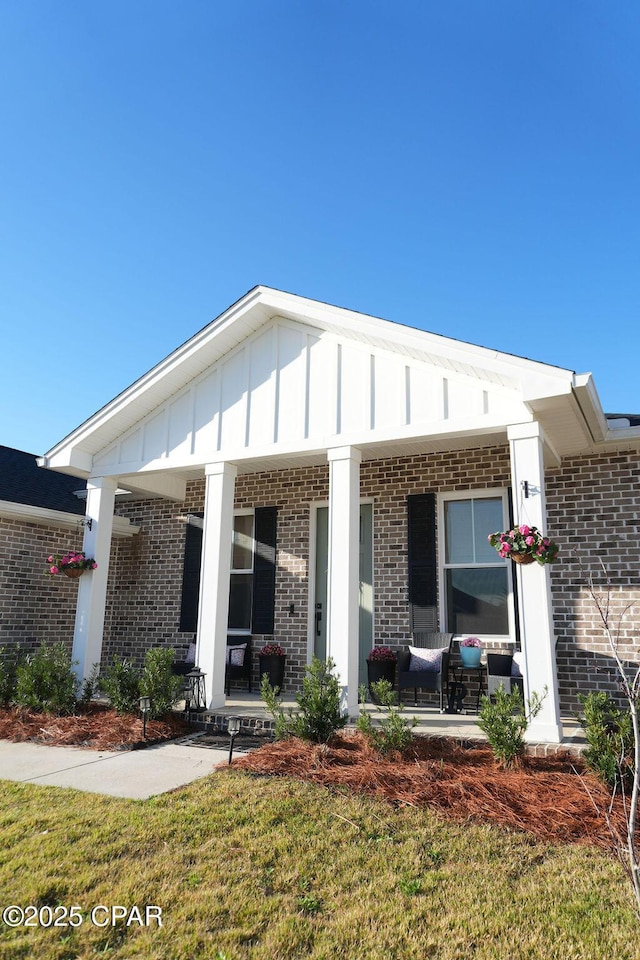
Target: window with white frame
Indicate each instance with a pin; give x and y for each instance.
(476, 582)
(241, 587)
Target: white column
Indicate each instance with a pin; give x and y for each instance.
(215, 578)
(344, 562)
(526, 442)
(92, 585)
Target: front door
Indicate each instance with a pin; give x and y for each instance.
(366, 586)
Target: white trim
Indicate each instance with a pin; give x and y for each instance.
(483, 494)
(314, 506)
(122, 527)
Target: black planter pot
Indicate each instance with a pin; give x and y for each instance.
(273, 666)
(380, 670)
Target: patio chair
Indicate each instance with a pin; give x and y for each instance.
(503, 669)
(181, 668)
(424, 665)
(238, 666)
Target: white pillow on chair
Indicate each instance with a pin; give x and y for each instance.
(423, 658)
(235, 654)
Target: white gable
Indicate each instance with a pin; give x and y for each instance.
(277, 379)
(295, 386)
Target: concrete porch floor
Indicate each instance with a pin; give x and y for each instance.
(255, 718)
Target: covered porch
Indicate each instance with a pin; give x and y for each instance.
(289, 407)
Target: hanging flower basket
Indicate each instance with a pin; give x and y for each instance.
(522, 558)
(72, 564)
(524, 544)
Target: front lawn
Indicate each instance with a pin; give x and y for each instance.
(270, 868)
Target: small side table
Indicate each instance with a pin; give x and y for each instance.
(459, 670)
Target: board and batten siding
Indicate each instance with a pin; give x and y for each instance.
(292, 386)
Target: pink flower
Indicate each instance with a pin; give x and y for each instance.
(524, 530)
(94, 565)
(49, 559)
(529, 541)
(54, 569)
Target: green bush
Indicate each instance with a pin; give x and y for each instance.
(504, 718)
(609, 734)
(45, 680)
(159, 683)
(121, 683)
(7, 677)
(90, 685)
(393, 731)
(8, 667)
(319, 715)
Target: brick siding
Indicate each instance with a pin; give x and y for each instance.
(593, 504)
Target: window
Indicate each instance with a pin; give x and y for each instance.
(252, 560)
(476, 582)
(241, 587)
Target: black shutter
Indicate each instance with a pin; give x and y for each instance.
(264, 570)
(423, 569)
(191, 575)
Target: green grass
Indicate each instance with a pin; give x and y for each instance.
(267, 869)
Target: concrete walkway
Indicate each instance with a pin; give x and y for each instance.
(135, 774)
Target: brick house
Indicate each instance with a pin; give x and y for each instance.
(41, 512)
(357, 466)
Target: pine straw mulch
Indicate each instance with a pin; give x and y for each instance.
(544, 796)
(95, 727)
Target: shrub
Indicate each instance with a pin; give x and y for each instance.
(159, 683)
(7, 677)
(609, 734)
(504, 718)
(319, 715)
(393, 731)
(90, 685)
(45, 680)
(121, 683)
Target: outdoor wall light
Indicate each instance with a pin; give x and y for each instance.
(145, 703)
(233, 726)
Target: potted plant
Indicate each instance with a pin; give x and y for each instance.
(470, 652)
(524, 544)
(381, 665)
(72, 564)
(272, 659)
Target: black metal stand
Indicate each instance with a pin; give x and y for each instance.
(458, 673)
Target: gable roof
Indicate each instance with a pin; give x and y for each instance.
(566, 404)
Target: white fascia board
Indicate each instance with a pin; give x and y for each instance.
(122, 527)
(215, 329)
(72, 461)
(330, 317)
(589, 402)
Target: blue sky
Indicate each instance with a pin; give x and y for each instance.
(469, 167)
